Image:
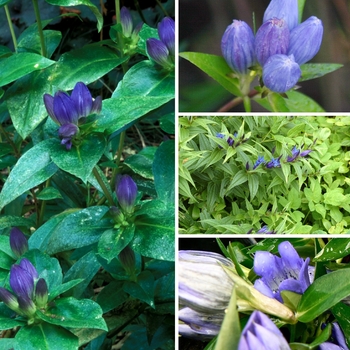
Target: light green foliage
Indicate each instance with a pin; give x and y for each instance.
(308, 195)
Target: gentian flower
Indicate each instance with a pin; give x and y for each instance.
(127, 259)
(295, 154)
(338, 340)
(305, 153)
(260, 160)
(261, 333)
(41, 293)
(305, 40)
(274, 163)
(126, 22)
(288, 272)
(162, 51)
(67, 110)
(237, 46)
(219, 135)
(283, 9)
(265, 229)
(271, 38)
(18, 242)
(281, 73)
(126, 191)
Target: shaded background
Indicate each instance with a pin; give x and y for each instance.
(203, 22)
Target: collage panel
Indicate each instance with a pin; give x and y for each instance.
(263, 293)
(264, 174)
(264, 56)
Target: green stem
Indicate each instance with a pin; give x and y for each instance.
(117, 161)
(11, 27)
(247, 104)
(40, 28)
(103, 186)
(162, 8)
(120, 35)
(43, 205)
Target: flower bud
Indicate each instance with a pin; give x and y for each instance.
(8, 299)
(21, 281)
(305, 40)
(18, 242)
(158, 52)
(127, 259)
(261, 333)
(28, 266)
(166, 31)
(283, 9)
(237, 46)
(26, 306)
(126, 191)
(41, 293)
(281, 73)
(126, 22)
(203, 284)
(271, 38)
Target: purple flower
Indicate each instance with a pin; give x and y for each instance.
(283, 9)
(8, 299)
(41, 293)
(295, 154)
(274, 163)
(288, 272)
(230, 141)
(338, 340)
(305, 153)
(220, 136)
(265, 229)
(281, 73)
(260, 160)
(21, 281)
(201, 325)
(162, 51)
(66, 110)
(271, 38)
(18, 242)
(126, 22)
(261, 333)
(305, 40)
(126, 191)
(237, 46)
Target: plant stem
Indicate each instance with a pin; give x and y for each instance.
(13, 145)
(247, 104)
(162, 8)
(120, 35)
(14, 40)
(43, 205)
(103, 186)
(40, 28)
(117, 161)
(235, 102)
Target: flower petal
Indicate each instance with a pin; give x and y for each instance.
(65, 109)
(166, 31)
(48, 101)
(82, 99)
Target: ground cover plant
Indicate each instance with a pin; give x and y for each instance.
(264, 174)
(87, 183)
(265, 294)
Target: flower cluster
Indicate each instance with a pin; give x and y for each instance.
(280, 45)
(233, 142)
(68, 111)
(288, 272)
(276, 162)
(163, 51)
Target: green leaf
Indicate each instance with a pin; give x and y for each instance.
(84, 270)
(71, 229)
(164, 171)
(143, 289)
(216, 67)
(70, 312)
(317, 70)
(20, 64)
(87, 3)
(141, 163)
(341, 312)
(58, 290)
(112, 241)
(336, 248)
(49, 193)
(45, 336)
(6, 318)
(112, 296)
(7, 221)
(298, 102)
(240, 178)
(322, 294)
(4, 2)
(33, 168)
(154, 237)
(78, 161)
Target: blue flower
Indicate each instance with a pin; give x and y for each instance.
(288, 272)
(162, 51)
(283, 9)
(295, 154)
(126, 22)
(66, 110)
(271, 38)
(260, 160)
(338, 340)
(237, 46)
(305, 40)
(305, 153)
(126, 191)
(260, 333)
(274, 163)
(281, 73)
(18, 242)
(41, 293)
(265, 229)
